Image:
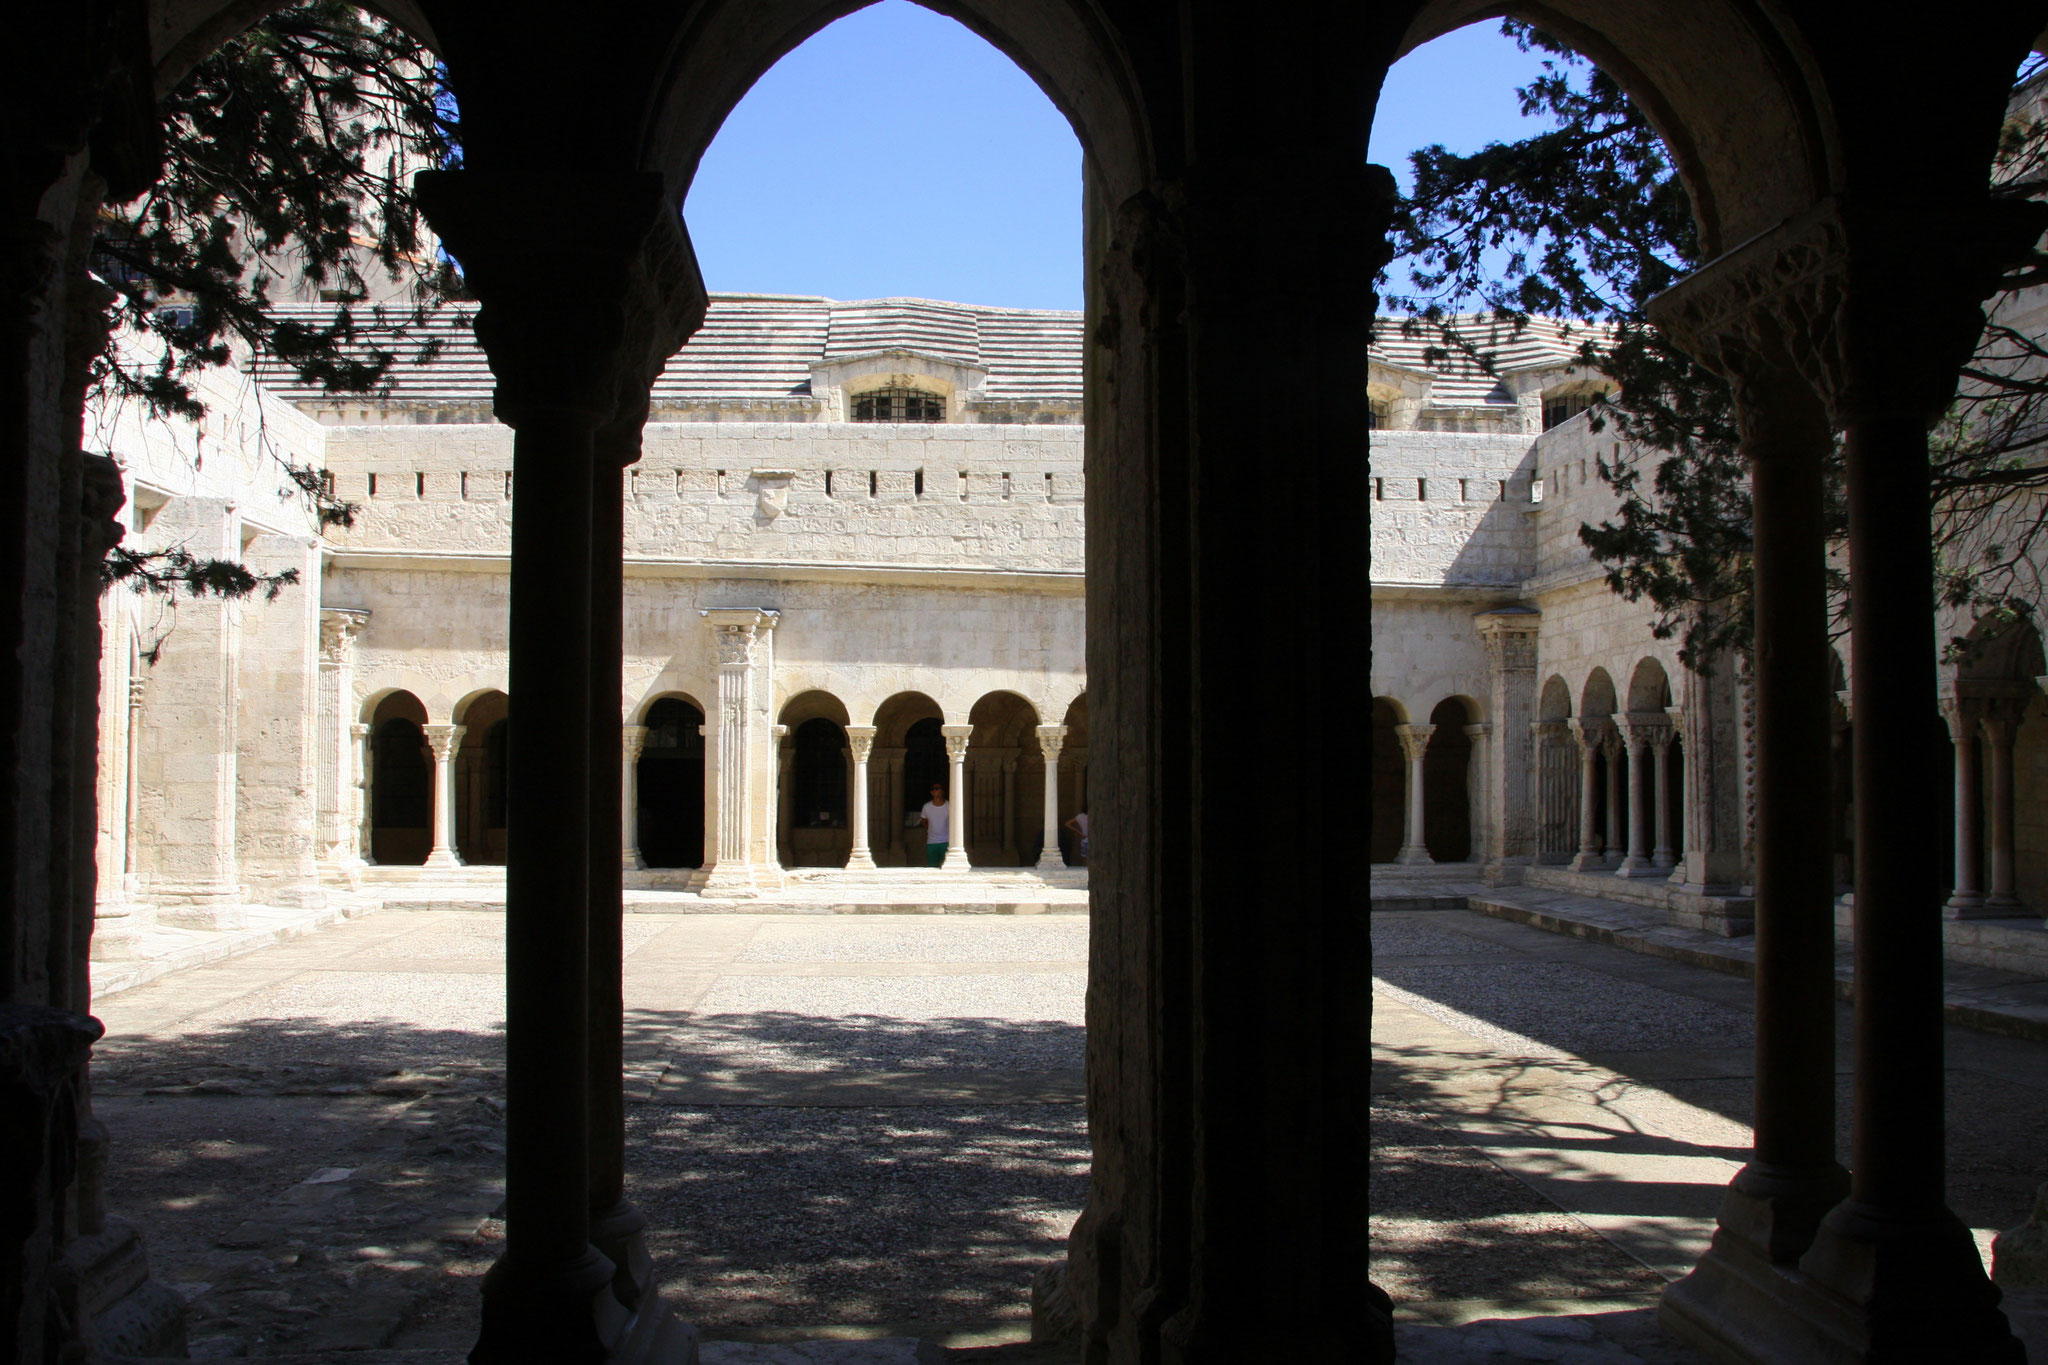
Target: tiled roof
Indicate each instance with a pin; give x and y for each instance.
(1458, 379)
(751, 346)
(755, 346)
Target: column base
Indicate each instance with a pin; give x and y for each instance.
(131, 1314)
(1583, 861)
(117, 932)
(2004, 906)
(956, 859)
(1664, 860)
(731, 881)
(443, 857)
(860, 858)
(1976, 907)
(554, 1311)
(1054, 863)
(1633, 866)
(631, 861)
(1872, 1289)
(1412, 856)
(196, 907)
(620, 1233)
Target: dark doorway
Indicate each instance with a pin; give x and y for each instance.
(401, 793)
(1388, 782)
(671, 786)
(924, 764)
(1446, 786)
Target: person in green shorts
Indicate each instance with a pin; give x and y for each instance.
(938, 827)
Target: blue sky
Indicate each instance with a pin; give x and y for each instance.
(898, 153)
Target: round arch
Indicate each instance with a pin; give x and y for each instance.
(1005, 782)
(908, 757)
(1597, 697)
(400, 777)
(814, 782)
(480, 776)
(668, 783)
(1555, 701)
(1649, 687)
(1447, 781)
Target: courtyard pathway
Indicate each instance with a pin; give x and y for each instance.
(848, 1126)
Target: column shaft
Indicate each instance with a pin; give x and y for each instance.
(1617, 794)
(2000, 727)
(1637, 748)
(1588, 737)
(1663, 855)
(445, 741)
(547, 870)
(1050, 740)
(1962, 716)
(632, 743)
(956, 753)
(1415, 748)
(861, 739)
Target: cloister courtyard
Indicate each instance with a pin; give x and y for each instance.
(868, 1131)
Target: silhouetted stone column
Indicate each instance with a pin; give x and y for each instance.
(1615, 842)
(1414, 749)
(1664, 857)
(861, 739)
(586, 285)
(1891, 1273)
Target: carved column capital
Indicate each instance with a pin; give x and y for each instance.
(1509, 636)
(587, 284)
(632, 742)
(734, 631)
(1592, 735)
(956, 737)
(1820, 294)
(1642, 731)
(1051, 739)
(444, 739)
(1963, 714)
(861, 739)
(339, 627)
(358, 729)
(1414, 739)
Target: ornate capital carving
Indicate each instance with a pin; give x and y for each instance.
(588, 284)
(1051, 739)
(861, 739)
(1592, 735)
(956, 737)
(1820, 296)
(444, 740)
(339, 627)
(1414, 740)
(632, 741)
(734, 630)
(1642, 730)
(359, 730)
(1509, 636)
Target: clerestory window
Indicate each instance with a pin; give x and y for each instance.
(898, 405)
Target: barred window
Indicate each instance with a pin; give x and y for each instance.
(1557, 410)
(898, 405)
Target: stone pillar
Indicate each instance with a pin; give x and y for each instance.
(444, 740)
(363, 757)
(1050, 740)
(1591, 737)
(1618, 819)
(2001, 720)
(1509, 797)
(1010, 807)
(632, 741)
(277, 766)
(340, 628)
(1664, 856)
(1414, 746)
(740, 636)
(1964, 716)
(587, 285)
(186, 767)
(861, 739)
(1645, 737)
(956, 756)
(783, 803)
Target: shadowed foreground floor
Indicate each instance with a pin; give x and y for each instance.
(859, 1126)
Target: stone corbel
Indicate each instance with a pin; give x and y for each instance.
(771, 492)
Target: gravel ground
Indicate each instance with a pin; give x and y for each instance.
(925, 938)
(1560, 1007)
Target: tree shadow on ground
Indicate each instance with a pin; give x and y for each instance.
(760, 1213)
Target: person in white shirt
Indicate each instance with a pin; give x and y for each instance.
(938, 827)
(1079, 824)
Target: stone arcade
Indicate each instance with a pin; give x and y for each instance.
(1837, 169)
